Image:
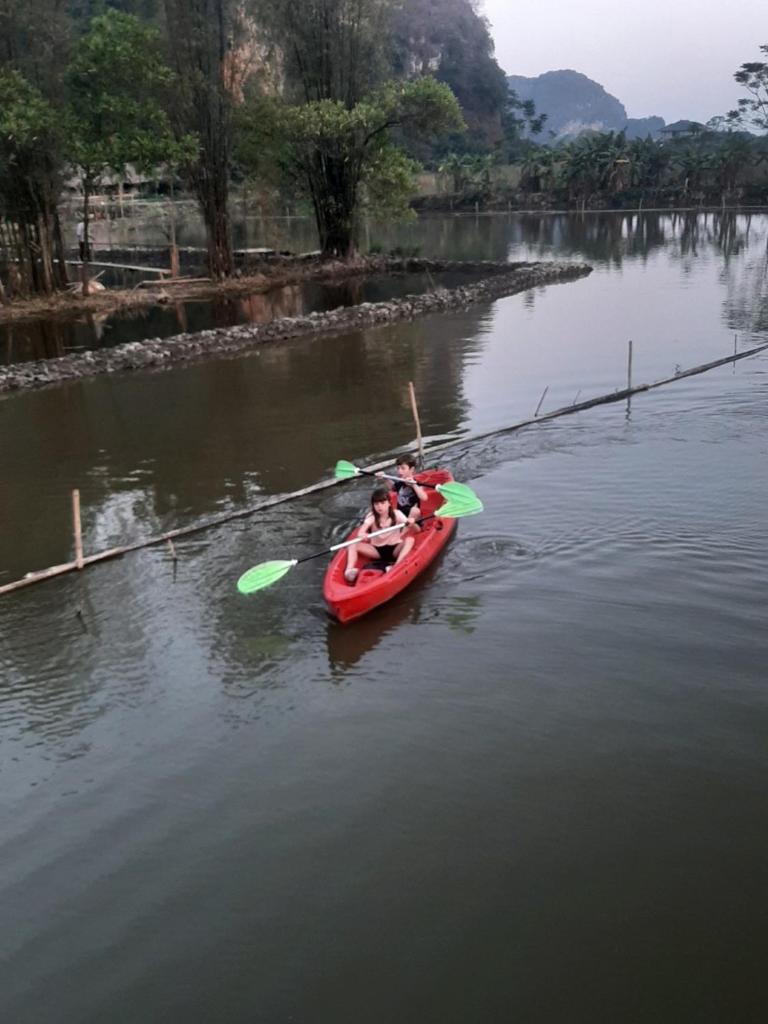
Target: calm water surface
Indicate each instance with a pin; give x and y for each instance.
(50, 338)
(532, 788)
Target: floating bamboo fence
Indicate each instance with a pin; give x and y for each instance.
(82, 561)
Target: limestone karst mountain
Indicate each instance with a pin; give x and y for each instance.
(575, 103)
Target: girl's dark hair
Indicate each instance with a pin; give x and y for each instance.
(381, 493)
(406, 460)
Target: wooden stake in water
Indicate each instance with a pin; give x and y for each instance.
(78, 529)
(415, 409)
(629, 367)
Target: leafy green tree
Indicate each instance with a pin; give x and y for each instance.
(339, 130)
(114, 84)
(340, 151)
(733, 155)
(35, 37)
(752, 112)
(649, 161)
(31, 141)
(540, 169)
(690, 164)
(457, 166)
(520, 124)
(203, 36)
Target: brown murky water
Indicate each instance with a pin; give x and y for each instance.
(531, 788)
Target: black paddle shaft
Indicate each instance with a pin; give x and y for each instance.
(369, 472)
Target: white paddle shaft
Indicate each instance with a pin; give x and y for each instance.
(376, 533)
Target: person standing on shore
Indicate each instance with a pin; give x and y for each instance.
(85, 250)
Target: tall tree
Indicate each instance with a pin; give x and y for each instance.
(114, 86)
(31, 144)
(752, 112)
(34, 43)
(331, 49)
(336, 55)
(202, 37)
(340, 151)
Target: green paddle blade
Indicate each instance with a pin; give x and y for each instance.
(344, 470)
(264, 575)
(459, 508)
(454, 491)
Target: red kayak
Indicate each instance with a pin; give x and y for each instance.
(373, 586)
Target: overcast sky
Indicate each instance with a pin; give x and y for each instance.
(675, 58)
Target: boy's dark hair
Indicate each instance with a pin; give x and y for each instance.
(406, 460)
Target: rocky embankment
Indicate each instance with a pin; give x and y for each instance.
(495, 280)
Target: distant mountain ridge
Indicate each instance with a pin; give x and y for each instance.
(574, 104)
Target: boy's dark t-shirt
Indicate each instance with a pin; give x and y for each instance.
(406, 496)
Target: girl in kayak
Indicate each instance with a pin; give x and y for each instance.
(409, 493)
(388, 547)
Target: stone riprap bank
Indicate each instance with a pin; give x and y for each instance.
(495, 280)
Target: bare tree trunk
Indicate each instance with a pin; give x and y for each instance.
(85, 255)
(46, 255)
(334, 197)
(213, 194)
(5, 255)
(174, 245)
(60, 267)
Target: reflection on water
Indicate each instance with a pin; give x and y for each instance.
(347, 645)
(561, 724)
(49, 339)
(738, 241)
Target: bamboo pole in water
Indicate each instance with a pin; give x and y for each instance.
(225, 517)
(77, 527)
(415, 409)
(629, 366)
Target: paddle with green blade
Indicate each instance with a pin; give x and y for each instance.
(267, 573)
(450, 491)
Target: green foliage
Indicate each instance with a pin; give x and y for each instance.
(388, 184)
(605, 165)
(27, 120)
(115, 83)
(30, 136)
(520, 124)
(31, 139)
(470, 175)
(752, 112)
(259, 146)
(344, 154)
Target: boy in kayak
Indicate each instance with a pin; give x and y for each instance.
(390, 548)
(409, 494)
